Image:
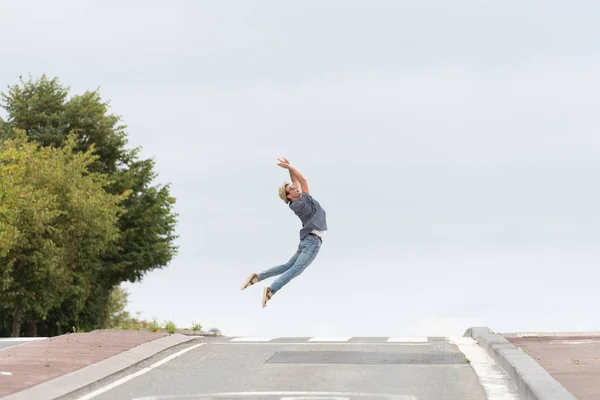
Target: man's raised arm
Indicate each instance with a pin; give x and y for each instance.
(295, 175)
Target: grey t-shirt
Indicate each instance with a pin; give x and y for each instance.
(311, 214)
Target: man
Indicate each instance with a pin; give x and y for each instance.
(314, 223)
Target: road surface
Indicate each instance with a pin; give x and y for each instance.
(311, 369)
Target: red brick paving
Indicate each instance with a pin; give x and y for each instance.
(574, 361)
(35, 362)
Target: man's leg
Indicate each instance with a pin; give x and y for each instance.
(280, 269)
(277, 270)
(309, 248)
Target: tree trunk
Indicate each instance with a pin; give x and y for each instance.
(16, 328)
(31, 328)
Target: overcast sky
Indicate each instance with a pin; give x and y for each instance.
(454, 146)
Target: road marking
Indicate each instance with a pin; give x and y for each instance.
(495, 382)
(21, 339)
(409, 339)
(6, 373)
(321, 343)
(138, 373)
(312, 395)
(333, 339)
(330, 339)
(549, 334)
(574, 341)
(314, 398)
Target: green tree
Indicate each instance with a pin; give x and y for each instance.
(146, 231)
(117, 315)
(60, 220)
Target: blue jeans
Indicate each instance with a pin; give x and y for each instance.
(305, 254)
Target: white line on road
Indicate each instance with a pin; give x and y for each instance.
(496, 384)
(549, 334)
(409, 339)
(321, 343)
(138, 373)
(329, 339)
(575, 341)
(385, 396)
(251, 339)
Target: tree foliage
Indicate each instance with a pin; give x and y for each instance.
(144, 234)
(117, 315)
(59, 220)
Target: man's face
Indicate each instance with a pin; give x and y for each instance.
(293, 193)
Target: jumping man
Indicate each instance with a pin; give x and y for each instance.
(314, 223)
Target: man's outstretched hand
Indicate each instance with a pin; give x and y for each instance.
(295, 175)
(284, 163)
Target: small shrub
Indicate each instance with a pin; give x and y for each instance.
(135, 324)
(196, 327)
(170, 327)
(154, 326)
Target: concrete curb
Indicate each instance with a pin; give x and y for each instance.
(532, 380)
(89, 374)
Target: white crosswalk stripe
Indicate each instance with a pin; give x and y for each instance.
(334, 339)
(329, 339)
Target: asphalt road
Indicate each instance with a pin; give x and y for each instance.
(296, 368)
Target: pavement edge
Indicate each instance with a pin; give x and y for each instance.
(532, 380)
(79, 379)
